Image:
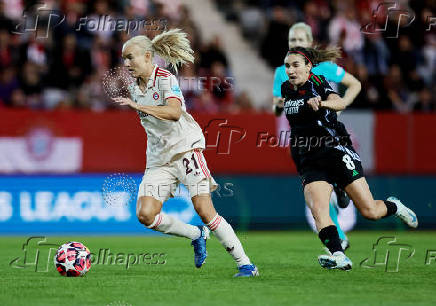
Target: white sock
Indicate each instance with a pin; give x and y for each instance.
(170, 225)
(227, 237)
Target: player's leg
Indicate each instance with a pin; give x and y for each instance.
(334, 209)
(224, 233)
(372, 209)
(201, 184)
(220, 227)
(342, 199)
(317, 195)
(149, 213)
(156, 187)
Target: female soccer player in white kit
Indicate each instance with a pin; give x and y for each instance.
(174, 147)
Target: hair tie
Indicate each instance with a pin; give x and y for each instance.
(299, 52)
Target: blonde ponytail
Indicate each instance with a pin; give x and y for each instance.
(173, 46)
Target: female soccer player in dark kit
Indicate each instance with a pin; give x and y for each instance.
(323, 152)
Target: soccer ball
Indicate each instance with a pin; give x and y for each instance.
(73, 259)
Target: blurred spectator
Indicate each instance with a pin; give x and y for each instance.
(91, 96)
(212, 53)
(252, 23)
(204, 103)
(6, 52)
(8, 83)
(317, 15)
(31, 84)
(428, 65)
(426, 101)
(242, 104)
(397, 92)
(101, 56)
(70, 64)
(170, 8)
(405, 57)
(376, 55)
(346, 25)
(18, 98)
(5, 21)
(189, 84)
(35, 51)
(220, 86)
(275, 44)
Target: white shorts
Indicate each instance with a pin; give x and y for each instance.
(188, 168)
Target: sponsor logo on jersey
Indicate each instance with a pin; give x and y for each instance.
(292, 106)
(155, 96)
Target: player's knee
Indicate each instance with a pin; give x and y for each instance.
(146, 216)
(370, 212)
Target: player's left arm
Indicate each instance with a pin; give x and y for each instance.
(333, 102)
(337, 74)
(171, 111)
(353, 88)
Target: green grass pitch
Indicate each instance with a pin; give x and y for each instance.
(290, 273)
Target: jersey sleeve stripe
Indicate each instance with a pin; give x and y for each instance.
(162, 72)
(175, 98)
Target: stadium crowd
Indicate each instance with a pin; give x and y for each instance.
(397, 72)
(62, 68)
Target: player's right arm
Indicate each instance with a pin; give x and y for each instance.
(277, 96)
(171, 111)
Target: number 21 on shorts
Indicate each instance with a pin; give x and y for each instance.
(186, 164)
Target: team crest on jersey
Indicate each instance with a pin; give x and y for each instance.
(155, 96)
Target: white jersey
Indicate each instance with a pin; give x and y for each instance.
(166, 138)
